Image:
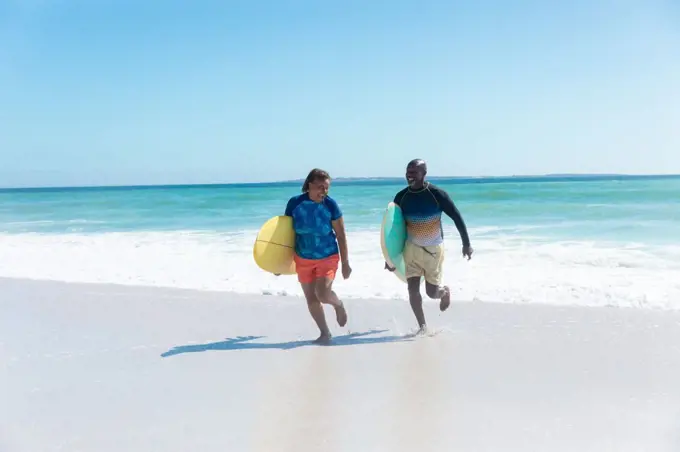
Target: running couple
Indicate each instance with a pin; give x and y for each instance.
(321, 243)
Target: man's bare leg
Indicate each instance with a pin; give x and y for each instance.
(442, 293)
(416, 301)
(325, 294)
(316, 311)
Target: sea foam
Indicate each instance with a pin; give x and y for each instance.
(512, 268)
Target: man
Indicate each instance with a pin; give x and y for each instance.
(422, 204)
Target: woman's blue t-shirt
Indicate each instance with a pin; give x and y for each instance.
(314, 234)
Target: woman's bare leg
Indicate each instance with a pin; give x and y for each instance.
(325, 294)
(316, 311)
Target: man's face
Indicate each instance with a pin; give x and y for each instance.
(415, 174)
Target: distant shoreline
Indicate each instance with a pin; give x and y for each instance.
(555, 177)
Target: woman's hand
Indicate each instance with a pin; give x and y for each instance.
(346, 270)
(339, 228)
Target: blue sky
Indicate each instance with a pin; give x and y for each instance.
(126, 92)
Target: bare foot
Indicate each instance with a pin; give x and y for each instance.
(445, 300)
(324, 339)
(341, 314)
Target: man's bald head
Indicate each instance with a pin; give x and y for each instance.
(415, 173)
(417, 163)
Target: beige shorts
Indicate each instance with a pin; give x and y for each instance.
(424, 261)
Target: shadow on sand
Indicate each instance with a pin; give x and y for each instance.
(243, 343)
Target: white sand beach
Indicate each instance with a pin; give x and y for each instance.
(116, 368)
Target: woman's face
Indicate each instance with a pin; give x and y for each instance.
(318, 189)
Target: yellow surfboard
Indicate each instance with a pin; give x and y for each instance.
(275, 246)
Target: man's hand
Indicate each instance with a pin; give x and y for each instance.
(346, 270)
(387, 267)
(467, 252)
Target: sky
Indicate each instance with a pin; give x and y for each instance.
(104, 92)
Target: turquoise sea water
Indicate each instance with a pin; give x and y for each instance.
(613, 209)
(610, 217)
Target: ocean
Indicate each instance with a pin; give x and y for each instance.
(570, 240)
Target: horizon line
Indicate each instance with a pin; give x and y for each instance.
(344, 178)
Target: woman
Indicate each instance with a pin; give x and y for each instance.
(320, 244)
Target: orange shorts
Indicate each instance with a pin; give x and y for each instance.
(310, 269)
